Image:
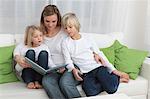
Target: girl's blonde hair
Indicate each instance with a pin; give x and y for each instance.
(30, 30)
(70, 19)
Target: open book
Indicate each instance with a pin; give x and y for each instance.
(41, 70)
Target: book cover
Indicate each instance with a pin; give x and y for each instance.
(41, 70)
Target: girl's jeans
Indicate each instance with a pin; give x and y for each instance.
(30, 75)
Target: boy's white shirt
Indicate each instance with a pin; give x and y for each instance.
(80, 53)
(21, 50)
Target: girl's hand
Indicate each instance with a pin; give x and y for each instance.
(77, 74)
(21, 61)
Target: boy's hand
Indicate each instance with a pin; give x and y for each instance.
(61, 70)
(77, 74)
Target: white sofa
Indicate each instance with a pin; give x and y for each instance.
(137, 89)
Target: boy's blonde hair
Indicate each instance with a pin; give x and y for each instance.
(30, 30)
(70, 19)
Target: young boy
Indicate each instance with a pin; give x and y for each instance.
(78, 49)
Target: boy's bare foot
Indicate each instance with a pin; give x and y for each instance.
(37, 85)
(123, 80)
(31, 85)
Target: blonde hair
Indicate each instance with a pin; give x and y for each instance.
(30, 30)
(70, 19)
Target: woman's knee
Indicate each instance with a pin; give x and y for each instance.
(47, 80)
(67, 80)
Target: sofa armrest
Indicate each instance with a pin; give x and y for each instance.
(145, 72)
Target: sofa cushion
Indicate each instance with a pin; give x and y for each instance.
(128, 60)
(109, 53)
(125, 59)
(6, 39)
(105, 40)
(6, 69)
(18, 90)
(139, 87)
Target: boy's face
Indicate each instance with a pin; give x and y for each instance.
(71, 30)
(37, 38)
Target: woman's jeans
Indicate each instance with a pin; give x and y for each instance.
(30, 75)
(60, 86)
(99, 80)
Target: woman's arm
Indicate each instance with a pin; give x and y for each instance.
(18, 58)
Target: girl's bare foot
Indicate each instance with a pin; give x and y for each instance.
(38, 85)
(31, 85)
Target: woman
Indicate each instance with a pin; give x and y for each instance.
(58, 84)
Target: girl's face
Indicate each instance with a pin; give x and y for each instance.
(51, 22)
(71, 30)
(37, 38)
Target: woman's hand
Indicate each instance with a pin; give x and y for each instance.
(77, 74)
(99, 59)
(21, 61)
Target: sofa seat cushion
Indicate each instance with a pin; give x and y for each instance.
(133, 88)
(19, 90)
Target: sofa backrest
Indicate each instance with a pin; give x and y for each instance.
(105, 40)
(102, 40)
(6, 39)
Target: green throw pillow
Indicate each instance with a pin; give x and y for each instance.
(6, 69)
(125, 59)
(128, 60)
(109, 53)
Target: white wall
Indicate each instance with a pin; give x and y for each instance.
(135, 24)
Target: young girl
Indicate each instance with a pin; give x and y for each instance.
(78, 49)
(34, 49)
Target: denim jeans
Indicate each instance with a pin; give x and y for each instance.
(99, 80)
(30, 75)
(60, 86)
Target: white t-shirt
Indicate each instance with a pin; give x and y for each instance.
(21, 50)
(54, 44)
(80, 52)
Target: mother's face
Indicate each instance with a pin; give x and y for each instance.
(50, 22)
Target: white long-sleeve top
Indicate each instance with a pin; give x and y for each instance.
(21, 50)
(54, 44)
(80, 53)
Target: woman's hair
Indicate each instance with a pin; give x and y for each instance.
(30, 30)
(70, 19)
(48, 11)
